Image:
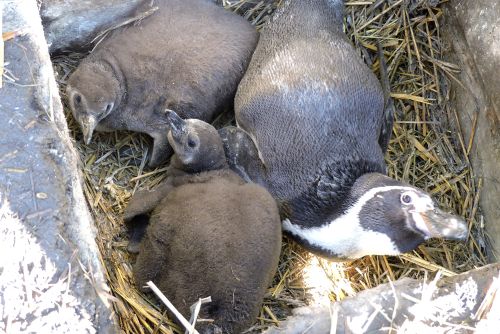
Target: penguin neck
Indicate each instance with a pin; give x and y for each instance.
(178, 168)
(330, 193)
(318, 4)
(332, 10)
(178, 175)
(354, 231)
(335, 230)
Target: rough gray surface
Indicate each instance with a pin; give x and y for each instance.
(75, 23)
(472, 29)
(433, 307)
(50, 272)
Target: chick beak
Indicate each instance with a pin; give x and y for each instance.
(88, 124)
(177, 126)
(440, 224)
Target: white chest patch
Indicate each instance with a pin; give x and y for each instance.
(344, 236)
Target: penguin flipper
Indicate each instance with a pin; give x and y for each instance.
(386, 130)
(144, 201)
(137, 229)
(242, 155)
(136, 213)
(388, 115)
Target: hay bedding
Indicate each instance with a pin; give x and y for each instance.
(427, 149)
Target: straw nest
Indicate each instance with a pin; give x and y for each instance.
(427, 150)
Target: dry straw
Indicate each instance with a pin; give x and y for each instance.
(427, 149)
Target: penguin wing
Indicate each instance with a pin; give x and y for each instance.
(144, 201)
(388, 115)
(387, 123)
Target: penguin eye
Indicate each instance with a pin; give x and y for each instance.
(109, 107)
(406, 198)
(78, 98)
(191, 143)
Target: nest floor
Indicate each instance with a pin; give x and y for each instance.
(427, 150)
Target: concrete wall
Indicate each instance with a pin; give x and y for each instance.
(50, 271)
(75, 23)
(472, 29)
(449, 305)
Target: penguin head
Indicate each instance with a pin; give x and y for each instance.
(197, 144)
(406, 214)
(93, 92)
(380, 216)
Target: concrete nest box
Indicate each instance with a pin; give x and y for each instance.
(64, 265)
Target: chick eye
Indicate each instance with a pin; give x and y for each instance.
(108, 107)
(406, 198)
(191, 143)
(78, 98)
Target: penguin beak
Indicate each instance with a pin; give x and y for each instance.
(88, 124)
(177, 125)
(440, 224)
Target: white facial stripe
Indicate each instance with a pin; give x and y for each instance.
(372, 193)
(422, 203)
(344, 236)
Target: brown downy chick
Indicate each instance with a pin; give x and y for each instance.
(189, 56)
(211, 235)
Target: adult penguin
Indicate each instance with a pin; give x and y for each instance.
(313, 127)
